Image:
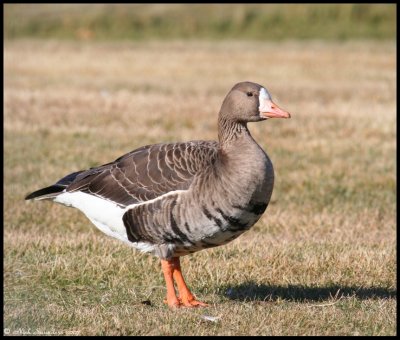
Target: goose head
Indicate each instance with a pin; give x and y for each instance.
(250, 102)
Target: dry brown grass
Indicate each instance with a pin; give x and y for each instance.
(321, 261)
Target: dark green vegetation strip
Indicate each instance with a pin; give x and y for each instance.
(201, 21)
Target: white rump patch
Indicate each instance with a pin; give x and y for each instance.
(106, 215)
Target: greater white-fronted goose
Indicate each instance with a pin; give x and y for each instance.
(175, 199)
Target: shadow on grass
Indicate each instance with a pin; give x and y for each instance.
(250, 291)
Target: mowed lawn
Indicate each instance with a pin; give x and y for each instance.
(322, 259)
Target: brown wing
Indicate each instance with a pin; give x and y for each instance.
(147, 172)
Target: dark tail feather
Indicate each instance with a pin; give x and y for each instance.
(49, 192)
(55, 189)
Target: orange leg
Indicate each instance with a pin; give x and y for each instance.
(168, 270)
(172, 270)
(186, 297)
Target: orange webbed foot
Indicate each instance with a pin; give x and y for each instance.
(173, 303)
(185, 303)
(190, 301)
(194, 303)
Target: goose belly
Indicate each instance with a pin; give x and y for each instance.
(216, 227)
(217, 239)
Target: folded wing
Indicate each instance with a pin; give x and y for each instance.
(146, 173)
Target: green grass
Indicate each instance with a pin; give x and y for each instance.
(321, 260)
(205, 21)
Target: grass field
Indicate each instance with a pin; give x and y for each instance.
(321, 261)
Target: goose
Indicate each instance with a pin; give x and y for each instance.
(174, 199)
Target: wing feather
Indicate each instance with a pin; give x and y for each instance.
(147, 173)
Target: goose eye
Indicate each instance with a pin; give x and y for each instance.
(249, 94)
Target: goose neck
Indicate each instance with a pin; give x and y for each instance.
(231, 131)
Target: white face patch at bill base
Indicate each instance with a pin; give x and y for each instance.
(264, 95)
(264, 99)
